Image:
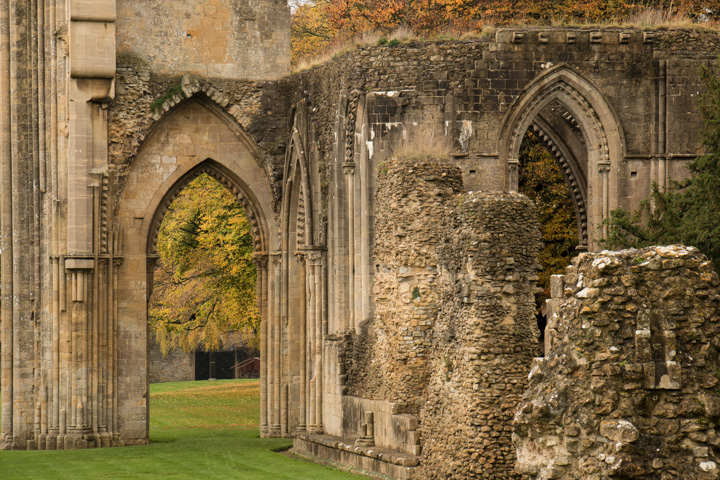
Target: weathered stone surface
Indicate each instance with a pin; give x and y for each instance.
(176, 366)
(452, 336)
(99, 132)
(221, 38)
(627, 393)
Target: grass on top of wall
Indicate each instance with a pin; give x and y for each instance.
(645, 18)
(198, 429)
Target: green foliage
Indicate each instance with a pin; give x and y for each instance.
(542, 181)
(382, 40)
(157, 104)
(686, 212)
(415, 293)
(394, 42)
(204, 293)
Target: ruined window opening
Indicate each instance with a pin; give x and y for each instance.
(541, 179)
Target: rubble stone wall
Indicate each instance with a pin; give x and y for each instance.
(454, 331)
(485, 338)
(630, 385)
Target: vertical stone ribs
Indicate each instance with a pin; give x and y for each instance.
(59, 311)
(20, 233)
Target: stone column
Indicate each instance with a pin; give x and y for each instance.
(513, 175)
(349, 170)
(261, 266)
(315, 258)
(274, 344)
(661, 147)
(604, 170)
(20, 66)
(89, 383)
(6, 356)
(304, 352)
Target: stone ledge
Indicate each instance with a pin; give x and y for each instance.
(378, 462)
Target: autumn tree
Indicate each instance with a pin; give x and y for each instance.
(542, 181)
(204, 286)
(311, 30)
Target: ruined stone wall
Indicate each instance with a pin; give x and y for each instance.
(468, 86)
(410, 224)
(215, 38)
(176, 366)
(454, 331)
(629, 387)
(484, 339)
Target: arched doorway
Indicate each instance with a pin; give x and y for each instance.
(569, 117)
(543, 179)
(195, 137)
(203, 315)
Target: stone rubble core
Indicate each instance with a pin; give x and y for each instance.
(444, 360)
(630, 386)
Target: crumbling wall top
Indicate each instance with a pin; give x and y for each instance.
(630, 384)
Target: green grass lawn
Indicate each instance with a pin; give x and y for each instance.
(198, 430)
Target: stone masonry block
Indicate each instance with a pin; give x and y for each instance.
(556, 286)
(93, 10)
(92, 49)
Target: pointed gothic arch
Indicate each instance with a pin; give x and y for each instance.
(298, 382)
(598, 124)
(193, 137)
(573, 168)
(162, 201)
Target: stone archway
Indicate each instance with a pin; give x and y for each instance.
(194, 137)
(591, 168)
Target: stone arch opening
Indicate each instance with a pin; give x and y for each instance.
(571, 160)
(542, 179)
(230, 181)
(196, 136)
(204, 282)
(582, 131)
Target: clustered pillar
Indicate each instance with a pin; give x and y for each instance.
(59, 328)
(315, 313)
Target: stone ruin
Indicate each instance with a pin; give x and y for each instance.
(447, 370)
(397, 328)
(434, 377)
(630, 384)
(436, 384)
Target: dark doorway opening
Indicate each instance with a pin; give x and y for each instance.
(238, 363)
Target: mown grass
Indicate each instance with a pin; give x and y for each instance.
(198, 429)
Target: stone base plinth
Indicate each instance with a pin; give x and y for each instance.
(376, 462)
